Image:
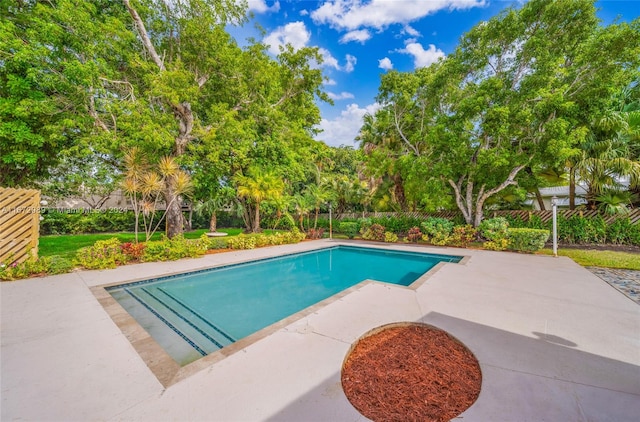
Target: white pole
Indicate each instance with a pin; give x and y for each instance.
(330, 223)
(554, 204)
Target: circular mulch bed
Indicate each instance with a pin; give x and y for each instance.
(410, 372)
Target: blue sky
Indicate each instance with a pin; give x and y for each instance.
(362, 39)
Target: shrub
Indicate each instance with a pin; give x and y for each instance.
(618, 231)
(133, 250)
(414, 234)
(175, 248)
(577, 229)
(528, 240)
(242, 242)
(364, 224)
(374, 232)
(315, 233)
(35, 266)
(294, 236)
(396, 224)
(102, 254)
(86, 221)
(390, 237)
(437, 229)
(252, 241)
(494, 229)
(462, 235)
(496, 245)
(217, 243)
(349, 228)
(622, 231)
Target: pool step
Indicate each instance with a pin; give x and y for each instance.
(200, 334)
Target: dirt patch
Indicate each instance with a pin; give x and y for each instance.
(410, 372)
(216, 251)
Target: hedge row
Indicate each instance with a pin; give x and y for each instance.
(571, 230)
(98, 221)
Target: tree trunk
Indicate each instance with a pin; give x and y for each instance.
(213, 223)
(572, 189)
(183, 114)
(398, 192)
(472, 209)
(173, 216)
(256, 221)
(539, 199)
(246, 216)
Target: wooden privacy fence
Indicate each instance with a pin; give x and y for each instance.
(19, 224)
(633, 215)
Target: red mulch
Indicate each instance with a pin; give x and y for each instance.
(411, 372)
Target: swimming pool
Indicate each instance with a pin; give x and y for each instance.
(193, 314)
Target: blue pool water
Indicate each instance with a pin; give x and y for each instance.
(193, 314)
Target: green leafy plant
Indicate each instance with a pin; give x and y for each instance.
(176, 248)
(462, 235)
(622, 231)
(101, 255)
(374, 232)
(494, 229)
(496, 245)
(48, 265)
(397, 224)
(349, 228)
(527, 240)
(364, 224)
(390, 237)
(437, 230)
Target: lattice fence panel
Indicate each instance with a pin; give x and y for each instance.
(19, 224)
(545, 216)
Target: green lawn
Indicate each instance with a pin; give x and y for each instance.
(66, 246)
(607, 259)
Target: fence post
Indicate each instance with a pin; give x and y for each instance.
(554, 205)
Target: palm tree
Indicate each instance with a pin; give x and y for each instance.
(316, 195)
(258, 186)
(302, 207)
(223, 197)
(615, 202)
(611, 152)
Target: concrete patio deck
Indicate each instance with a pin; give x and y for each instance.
(554, 342)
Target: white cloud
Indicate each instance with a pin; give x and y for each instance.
(294, 33)
(342, 96)
(260, 6)
(304, 12)
(343, 129)
(351, 62)
(385, 64)
(354, 14)
(360, 36)
(422, 57)
(329, 61)
(330, 82)
(409, 30)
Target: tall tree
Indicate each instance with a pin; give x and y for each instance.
(56, 57)
(610, 155)
(519, 90)
(254, 189)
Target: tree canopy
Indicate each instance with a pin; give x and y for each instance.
(518, 93)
